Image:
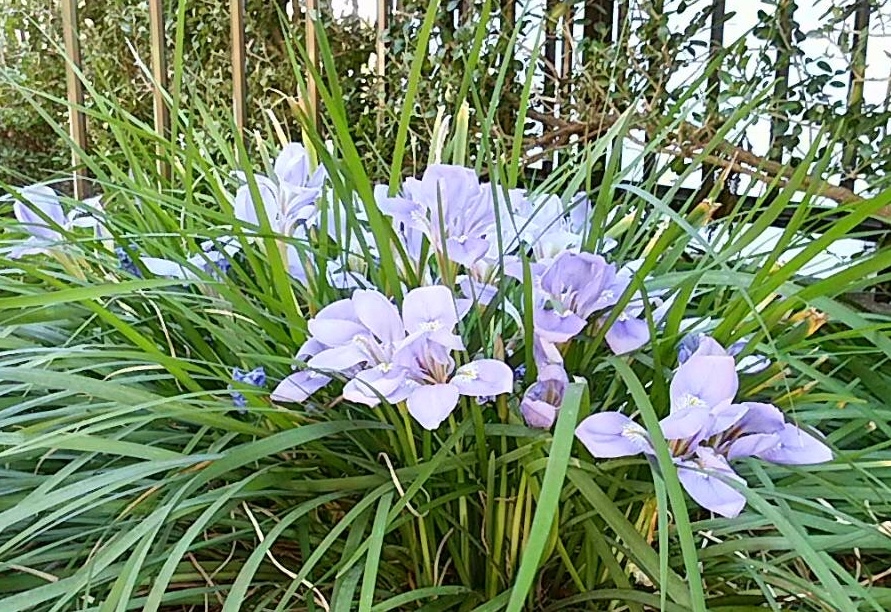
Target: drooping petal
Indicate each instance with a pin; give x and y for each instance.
(43, 199)
(797, 447)
(244, 208)
(556, 326)
(627, 335)
(299, 386)
(466, 250)
(611, 434)
(724, 416)
(429, 309)
(706, 479)
(484, 377)
(704, 381)
(430, 405)
(370, 386)
(761, 418)
(379, 315)
(751, 445)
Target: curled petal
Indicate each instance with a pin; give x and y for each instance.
(542, 400)
(379, 315)
(707, 480)
(484, 377)
(686, 423)
(752, 445)
(557, 327)
(343, 310)
(761, 418)
(796, 447)
(466, 251)
(430, 405)
(371, 386)
(299, 386)
(611, 434)
(43, 199)
(628, 335)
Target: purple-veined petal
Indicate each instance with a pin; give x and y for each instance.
(299, 386)
(705, 479)
(430, 405)
(484, 377)
(429, 309)
(761, 418)
(704, 381)
(751, 445)
(379, 315)
(797, 447)
(611, 434)
(627, 335)
(724, 416)
(338, 359)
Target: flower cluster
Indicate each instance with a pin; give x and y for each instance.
(706, 429)
(394, 357)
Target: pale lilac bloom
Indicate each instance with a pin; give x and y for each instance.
(573, 287)
(424, 376)
(630, 330)
(393, 357)
(297, 387)
(214, 259)
(448, 206)
(542, 399)
(705, 429)
(40, 212)
(289, 197)
(750, 364)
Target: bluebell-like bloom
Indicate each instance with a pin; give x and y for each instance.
(126, 263)
(255, 378)
(706, 429)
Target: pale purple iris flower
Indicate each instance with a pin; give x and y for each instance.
(448, 206)
(630, 330)
(750, 364)
(570, 289)
(39, 210)
(289, 197)
(705, 430)
(214, 259)
(395, 357)
(542, 399)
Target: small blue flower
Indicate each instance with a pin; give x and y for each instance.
(688, 346)
(125, 262)
(520, 372)
(255, 377)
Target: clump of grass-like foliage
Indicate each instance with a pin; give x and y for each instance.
(142, 471)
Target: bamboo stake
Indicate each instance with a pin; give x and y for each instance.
(159, 75)
(239, 78)
(77, 121)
